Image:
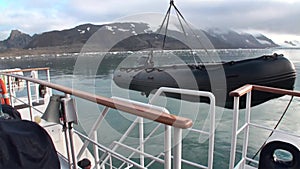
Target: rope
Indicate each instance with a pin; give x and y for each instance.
(275, 127)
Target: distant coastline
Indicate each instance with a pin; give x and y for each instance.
(58, 50)
(39, 51)
(140, 37)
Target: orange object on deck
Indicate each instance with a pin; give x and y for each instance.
(5, 96)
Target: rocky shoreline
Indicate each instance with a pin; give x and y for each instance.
(39, 51)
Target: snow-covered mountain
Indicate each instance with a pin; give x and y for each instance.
(140, 36)
(225, 38)
(290, 44)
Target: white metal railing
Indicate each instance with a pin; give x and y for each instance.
(177, 131)
(236, 130)
(142, 110)
(163, 117)
(212, 111)
(9, 75)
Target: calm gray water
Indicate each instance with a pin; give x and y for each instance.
(90, 73)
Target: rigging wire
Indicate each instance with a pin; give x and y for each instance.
(275, 127)
(166, 30)
(166, 19)
(178, 14)
(181, 20)
(193, 32)
(188, 25)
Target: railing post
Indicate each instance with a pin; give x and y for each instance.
(212, 115)
(141, 133)
(96, 152)
(70, 128)
(11, 93)
(68, 122)
(177, 148)
(246, 134)
(67, 144)
(234, 131)
(168, 147)
(29, 99)
(48, 78)
(34, 74)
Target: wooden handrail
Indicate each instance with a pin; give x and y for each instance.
(241, 91)
(24, 70)
(151, 114)
(247, 88)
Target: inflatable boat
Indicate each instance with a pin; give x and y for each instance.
(219, 78)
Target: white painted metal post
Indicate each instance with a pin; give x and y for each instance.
(67, 144)
(37, 94)
(70, 132)
(70, 129)
(11, 92)
(34, 74)
(212, 132)
(234, 131)
(96, 152)
(177, 148)
(246, 134)
(48, 78)
(141, 133)
(29, 99)
(168, 147)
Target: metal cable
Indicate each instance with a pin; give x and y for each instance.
(275, 127)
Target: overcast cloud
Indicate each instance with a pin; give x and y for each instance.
(37, 16)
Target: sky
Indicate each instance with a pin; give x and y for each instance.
(278, 19)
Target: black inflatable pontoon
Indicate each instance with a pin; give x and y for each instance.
(268, 70)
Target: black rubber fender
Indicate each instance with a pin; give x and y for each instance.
(267, 160)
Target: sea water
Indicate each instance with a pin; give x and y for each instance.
(93, 72)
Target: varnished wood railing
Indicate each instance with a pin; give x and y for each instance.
(247, 88)
(25, 70)
(151, 114)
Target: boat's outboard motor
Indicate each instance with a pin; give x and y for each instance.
(280, 155)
